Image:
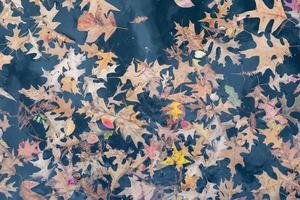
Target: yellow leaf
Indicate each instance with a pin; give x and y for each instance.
(178, 157)
(175, 110)
(69, 84)
(70, 127)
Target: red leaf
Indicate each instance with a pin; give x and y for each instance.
(107, 122)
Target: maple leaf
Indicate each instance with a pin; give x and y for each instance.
(175, 110)
(27, 150)
(5, 59)
(265, 15)
(266, 53)
(178, 157)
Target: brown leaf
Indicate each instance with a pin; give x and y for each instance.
(5, 59)
(266, 14)
(97, 24)
(69, 84)
(128, 124)
(4, 125)
(27, 193)
(6, 94)
(266, 52)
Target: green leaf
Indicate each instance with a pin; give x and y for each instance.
(233, 96)
(107, 135)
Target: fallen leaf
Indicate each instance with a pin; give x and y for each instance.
(184, 3)
(70, 127)
(27, 150)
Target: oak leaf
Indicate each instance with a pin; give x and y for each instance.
(5, 59)
(127, 123)
(266, 53)
(15, 41)
(265, 15)
(7, 188)
(272, 134)
(27, 193)
(97, 24)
